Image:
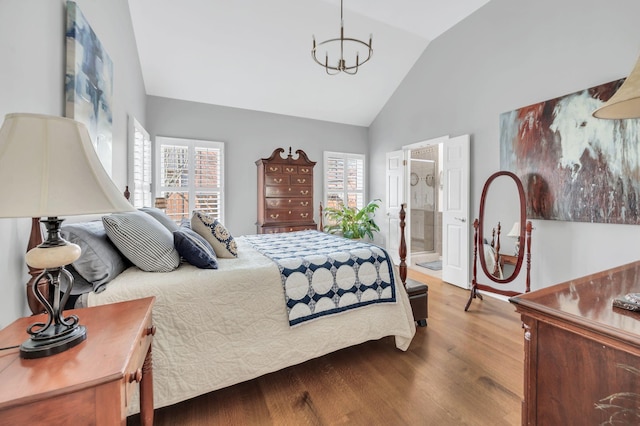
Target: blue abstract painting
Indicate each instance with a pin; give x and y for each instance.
(89, 83)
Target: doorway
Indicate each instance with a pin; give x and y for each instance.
(425, 208)
(450, 207)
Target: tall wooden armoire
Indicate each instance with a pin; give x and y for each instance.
(285, 193)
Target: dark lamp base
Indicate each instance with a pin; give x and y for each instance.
(41, 346)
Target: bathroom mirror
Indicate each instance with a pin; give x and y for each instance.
(502, 235)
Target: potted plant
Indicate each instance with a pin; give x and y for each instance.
(351, 222)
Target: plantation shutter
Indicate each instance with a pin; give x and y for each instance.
(141, 167)
(344, 179)
(191, 177)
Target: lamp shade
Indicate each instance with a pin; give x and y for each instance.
(49, 167)
(515, 230)
(625, 103)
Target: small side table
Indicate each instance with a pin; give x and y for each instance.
(90, 383)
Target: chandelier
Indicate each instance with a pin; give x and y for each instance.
(341, 65)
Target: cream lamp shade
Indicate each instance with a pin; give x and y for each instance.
(515, 230)
(625, 103)
(49, 167)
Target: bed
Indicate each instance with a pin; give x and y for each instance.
(219, 327)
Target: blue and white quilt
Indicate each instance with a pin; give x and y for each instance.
(324, 274)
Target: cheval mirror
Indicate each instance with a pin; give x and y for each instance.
(502, 207)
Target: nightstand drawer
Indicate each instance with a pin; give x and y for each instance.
(135, 369)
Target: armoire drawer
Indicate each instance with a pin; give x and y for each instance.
(288, 191)
(288, 215)
(274, 203)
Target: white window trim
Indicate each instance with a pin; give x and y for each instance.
(345, 156)
(137, 198)
(191, 144)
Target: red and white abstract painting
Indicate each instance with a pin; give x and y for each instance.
(573, 166)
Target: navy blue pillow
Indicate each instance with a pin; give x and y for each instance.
(195, 249)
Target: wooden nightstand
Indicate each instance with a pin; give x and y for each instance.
(87, 384)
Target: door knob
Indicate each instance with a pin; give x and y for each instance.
(461, 219)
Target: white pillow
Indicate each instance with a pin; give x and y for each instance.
(215, 233)
(143, 240)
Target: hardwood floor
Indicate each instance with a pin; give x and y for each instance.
(464, 368)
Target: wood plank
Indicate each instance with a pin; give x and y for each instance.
(463, 368)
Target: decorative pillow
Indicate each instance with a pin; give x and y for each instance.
(143, 240)
(80, 285)
(215, 233)
(195, 249)
(100, 261)
(161, 217)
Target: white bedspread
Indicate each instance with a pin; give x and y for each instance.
(212, 332)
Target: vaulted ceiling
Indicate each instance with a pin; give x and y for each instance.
(256, 54)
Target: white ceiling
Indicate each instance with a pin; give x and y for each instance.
(256, 54)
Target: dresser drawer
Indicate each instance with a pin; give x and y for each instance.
(302, 180)
(273, 169)
(277, 179)
(288, 191)
(288, 215)
(274, 203)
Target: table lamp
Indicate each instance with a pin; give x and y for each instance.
(515, 233)
(49, 168)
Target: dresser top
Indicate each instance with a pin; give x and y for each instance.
(587, 302)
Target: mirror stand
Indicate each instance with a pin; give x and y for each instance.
(475, 287)
(500, 203)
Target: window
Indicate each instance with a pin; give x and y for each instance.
(140, 171)
(190, 176)
(343, 179)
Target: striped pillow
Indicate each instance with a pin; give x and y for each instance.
(143, 240)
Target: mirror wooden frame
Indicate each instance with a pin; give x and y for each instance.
(524, 254)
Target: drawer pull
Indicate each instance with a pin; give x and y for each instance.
(275, 216)
(302, 180)
(273, 169)
(303, 192)
(135, 376)
(151, 330)
(304, 215)
(289, 211)
(304, 170)
(289, 169)
(304, 203)
(277, 180)
(289, 189)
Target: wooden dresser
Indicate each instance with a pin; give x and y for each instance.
(89, 384)
(582, 356)
(285, 193)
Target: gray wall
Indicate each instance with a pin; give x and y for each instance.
(509, 54)
(32, 48)
(249, 136)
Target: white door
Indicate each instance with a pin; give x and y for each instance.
(395, 197)
(455, 214)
